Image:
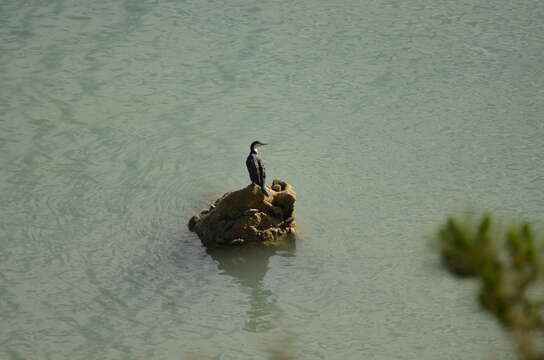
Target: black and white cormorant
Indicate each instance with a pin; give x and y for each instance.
(255, 166)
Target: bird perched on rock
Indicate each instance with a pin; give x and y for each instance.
(255, 166)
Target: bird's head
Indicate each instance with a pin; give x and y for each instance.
(255, 145)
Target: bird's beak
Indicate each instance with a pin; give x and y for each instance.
(264, 144)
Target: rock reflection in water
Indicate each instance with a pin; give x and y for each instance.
(248, 265)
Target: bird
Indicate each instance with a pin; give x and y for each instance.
(255, 167)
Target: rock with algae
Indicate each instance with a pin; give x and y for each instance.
(248, 216)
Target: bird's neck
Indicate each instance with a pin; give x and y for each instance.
(254, 151)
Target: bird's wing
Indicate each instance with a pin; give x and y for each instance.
(262, 170)
(253, 170)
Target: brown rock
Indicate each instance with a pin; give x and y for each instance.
(248, 216)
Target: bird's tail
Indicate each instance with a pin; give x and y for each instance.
(265, 192)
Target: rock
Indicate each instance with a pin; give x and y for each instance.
(248, 216)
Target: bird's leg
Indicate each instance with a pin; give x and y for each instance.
(264, 191)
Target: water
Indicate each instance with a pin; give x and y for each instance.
(121, 120)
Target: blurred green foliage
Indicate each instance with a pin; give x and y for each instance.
(508, 265)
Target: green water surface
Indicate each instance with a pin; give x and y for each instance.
(119, 120)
